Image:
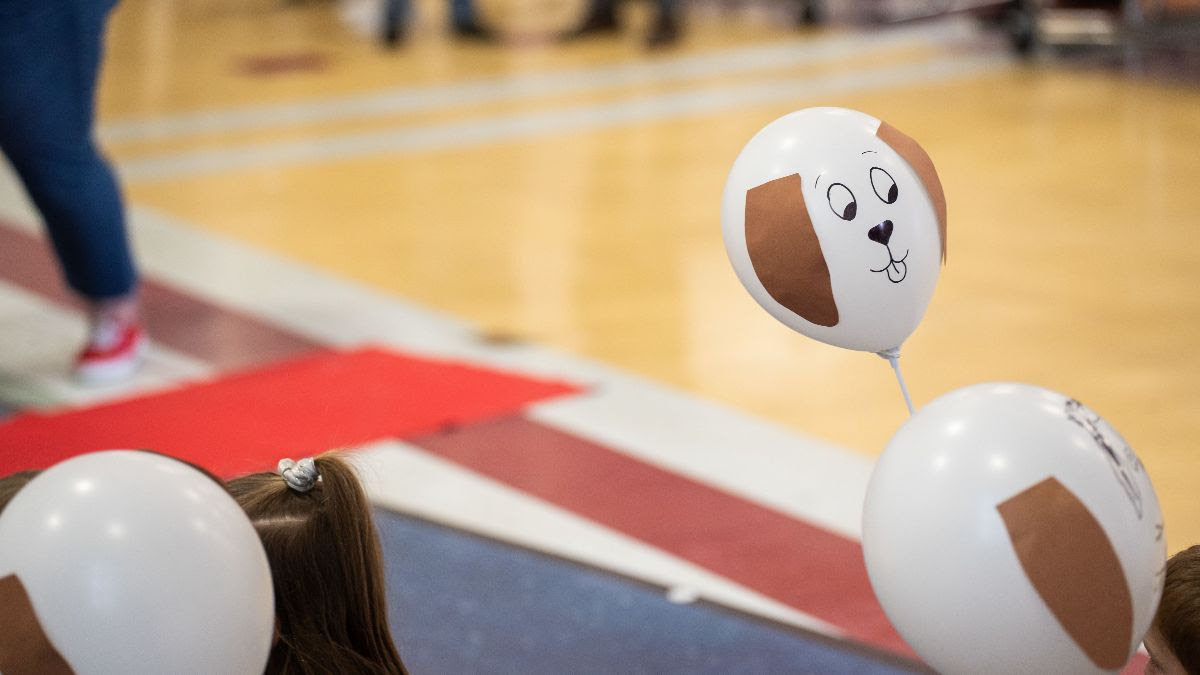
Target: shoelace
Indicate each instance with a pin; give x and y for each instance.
(107, 332)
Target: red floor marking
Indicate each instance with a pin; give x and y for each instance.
(247, 422)
(222, 338)
(808, 568)
(28, 262)
(278, 64)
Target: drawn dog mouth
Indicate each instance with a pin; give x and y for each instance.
(896, 269)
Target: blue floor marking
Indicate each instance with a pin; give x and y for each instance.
(461, 603)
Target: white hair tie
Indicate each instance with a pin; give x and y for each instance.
(300, 476)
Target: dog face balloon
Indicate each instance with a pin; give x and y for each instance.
(835, 222)
(1009, 528)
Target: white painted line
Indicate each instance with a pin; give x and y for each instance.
(749, 457)
(718, 446)
(15, 206)
(407, 479)
(40, 339)
(289, 294)
(474, 132)
(762, 463)
(526, 86)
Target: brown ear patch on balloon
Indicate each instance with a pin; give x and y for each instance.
(922, 165)
(1074, 568)
(24, 647)
(785, 251)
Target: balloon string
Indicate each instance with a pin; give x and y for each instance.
(893, 357)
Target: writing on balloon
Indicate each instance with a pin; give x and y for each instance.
(1121, 459)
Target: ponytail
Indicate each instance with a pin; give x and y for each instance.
(330, 597)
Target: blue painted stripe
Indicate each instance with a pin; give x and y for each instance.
(461, 603)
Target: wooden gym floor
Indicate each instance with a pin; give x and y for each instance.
(568, 195)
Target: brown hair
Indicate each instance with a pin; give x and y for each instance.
(209, 474)
(10, 485)
(1178, 617)
(330, 601)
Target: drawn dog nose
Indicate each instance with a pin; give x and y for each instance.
(881, 233)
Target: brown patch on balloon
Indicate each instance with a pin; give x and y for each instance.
(1074, 568)
(785, 251)
(24, 647)
(919, 160)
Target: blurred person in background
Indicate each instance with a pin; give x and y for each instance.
(601, 19)
(51, 54)
(464, 21)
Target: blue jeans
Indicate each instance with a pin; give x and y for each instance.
(49, 57)
(462, 12)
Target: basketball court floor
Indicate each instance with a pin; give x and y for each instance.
(496, 273)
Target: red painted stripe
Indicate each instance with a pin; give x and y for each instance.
(813, 570)
(277, 64)
(28, 262)
(223, 338)
(248, 421)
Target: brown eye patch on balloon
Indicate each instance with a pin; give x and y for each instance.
(24, 647)
(785, 251)
(922, 165)
(1074, 568)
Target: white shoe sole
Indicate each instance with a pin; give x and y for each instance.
(112, 370)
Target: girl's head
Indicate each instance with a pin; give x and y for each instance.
(12, 483)
(316, 526)
(1174, 637)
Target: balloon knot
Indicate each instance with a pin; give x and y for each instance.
(889, 354)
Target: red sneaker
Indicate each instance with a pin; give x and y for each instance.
(113, 352)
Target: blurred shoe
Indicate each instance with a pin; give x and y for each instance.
(393, 36)
(114, 350)
(596, 23)
(393, 33)
(664, 33)
(810, 14)
(473, 30)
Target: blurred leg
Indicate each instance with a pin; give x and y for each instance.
(395, 21)
(810, 13)
(665, 30)
(51, 54)
(466, 25)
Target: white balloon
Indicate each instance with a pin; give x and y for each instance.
(940, 555)
(865, 279)
(137, 563)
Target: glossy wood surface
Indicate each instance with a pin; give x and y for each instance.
(1072, 194)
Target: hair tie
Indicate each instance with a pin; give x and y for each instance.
(300, 476)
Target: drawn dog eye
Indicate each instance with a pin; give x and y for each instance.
(841, 200)
(884, 185)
